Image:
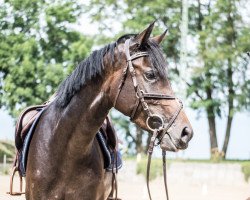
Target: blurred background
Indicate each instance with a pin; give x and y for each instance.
(41, 41)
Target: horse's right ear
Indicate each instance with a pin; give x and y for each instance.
(159, 38)
(143, 37)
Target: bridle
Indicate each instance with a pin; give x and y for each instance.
(141, 97)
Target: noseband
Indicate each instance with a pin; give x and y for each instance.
(141, 96)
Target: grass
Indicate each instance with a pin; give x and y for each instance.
(5, 170)
(6, 148)
(156, 165)
(245, 168)
(155, 169)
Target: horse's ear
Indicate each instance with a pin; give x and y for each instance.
(143, 37)
(158, 39)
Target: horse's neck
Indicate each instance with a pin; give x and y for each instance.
(85, 114)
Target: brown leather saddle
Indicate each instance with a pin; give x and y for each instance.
(25, 124)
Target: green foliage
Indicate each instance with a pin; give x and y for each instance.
(216, 156)
(223, 42)
(136, 15)
(37, 49)
(156, 166)
(220, 83)
(155, 169)
(6, 148)
(245, 167)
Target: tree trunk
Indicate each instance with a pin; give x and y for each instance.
(212, 124)
(227, 136)
(230, 107)
(212, 134)
(209, 90)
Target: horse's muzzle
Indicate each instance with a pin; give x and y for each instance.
(170, 143)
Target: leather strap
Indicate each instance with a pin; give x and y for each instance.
(124, 75)
(158, 96)
(164, 168)
(170, 123)
(150, 152)
(134, 109)
(114, 183)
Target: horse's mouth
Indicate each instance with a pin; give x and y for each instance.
(168, 144)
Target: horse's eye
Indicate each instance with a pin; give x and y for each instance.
(150, 75)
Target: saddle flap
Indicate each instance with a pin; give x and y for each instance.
(27, 121)
(24, 123)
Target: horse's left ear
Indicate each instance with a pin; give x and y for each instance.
(143, 37)
(158, 39)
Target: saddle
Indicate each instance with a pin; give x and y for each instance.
(25, 127)
(24, 123)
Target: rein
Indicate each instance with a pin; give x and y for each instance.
(158, 133)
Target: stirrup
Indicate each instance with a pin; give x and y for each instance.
(11, 192)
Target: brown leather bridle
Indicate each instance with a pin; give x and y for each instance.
(141, 96)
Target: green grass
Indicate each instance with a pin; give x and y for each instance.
(156, 165)
(6, 148)
(245, 168)
(5, 170)
(155, 168)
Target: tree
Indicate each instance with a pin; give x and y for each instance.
(220, 85)
(37, 49)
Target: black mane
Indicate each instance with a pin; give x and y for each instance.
(93, 66)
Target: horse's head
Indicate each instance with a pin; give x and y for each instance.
(143, 92)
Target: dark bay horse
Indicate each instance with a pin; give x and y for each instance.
(64, 159)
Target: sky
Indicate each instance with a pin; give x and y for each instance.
(239, 144)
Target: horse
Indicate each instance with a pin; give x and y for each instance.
(64, 158)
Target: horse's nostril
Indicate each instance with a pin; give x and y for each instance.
(186, 134)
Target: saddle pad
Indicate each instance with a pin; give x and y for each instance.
(110, 163)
